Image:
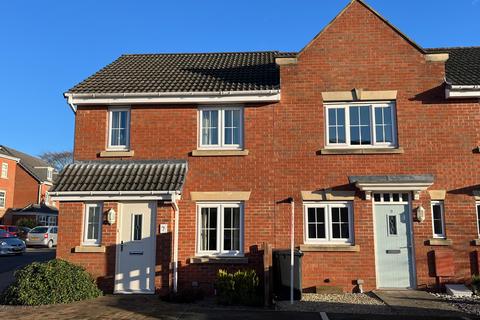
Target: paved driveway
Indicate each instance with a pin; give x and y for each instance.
(151, 307)
(8, 264)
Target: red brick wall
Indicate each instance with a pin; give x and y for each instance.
(26, 188)
(357, 51)
(8, 185)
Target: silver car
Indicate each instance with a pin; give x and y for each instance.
(10, 244)
(44, 236)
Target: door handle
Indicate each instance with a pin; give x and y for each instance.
(121, 245)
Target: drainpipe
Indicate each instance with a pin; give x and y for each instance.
(292, 249)
(175, 243)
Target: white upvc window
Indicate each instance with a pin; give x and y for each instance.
(3, 196)
(477, 206)
(220, 229)
(360, 125)
(4, 173)
(220, 127)
(49, 174)
(438, 219)
(328, 222)
(119, 128)
(92, 226)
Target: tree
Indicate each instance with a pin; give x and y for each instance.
(57, 159)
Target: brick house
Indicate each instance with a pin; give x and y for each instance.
(24, 182)
(183, 163)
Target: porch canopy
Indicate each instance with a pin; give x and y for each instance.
(407, 182)
(120, 180)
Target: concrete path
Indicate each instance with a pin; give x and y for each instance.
(417, 303)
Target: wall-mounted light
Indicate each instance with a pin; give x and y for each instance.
(420, 213)
(111, 216)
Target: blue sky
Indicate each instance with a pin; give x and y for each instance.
(48, 46)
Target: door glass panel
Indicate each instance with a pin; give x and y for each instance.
(137, 227)
(392, 225)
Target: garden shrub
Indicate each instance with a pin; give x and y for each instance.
(241, 287)
(55, 281)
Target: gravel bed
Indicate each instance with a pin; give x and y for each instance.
(336, 303)
(469, 305)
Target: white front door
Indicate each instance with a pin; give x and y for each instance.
(135, 267)
(393, 241)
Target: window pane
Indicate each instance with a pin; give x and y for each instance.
(332, 135)
(437, 225)
(312, 231)
(378, 116)
(210, 127)
(345, 231)
(396, 197)
(379, 134)
(93, 223)
(335, 215)
(365, 115)
(209, 229)
(386, 197)
(312, 215)
(354, 116)
(437, 212)
(316, 223)
(387, 115)
(115, 119)
(354, 135)
(123, 119)
(344, 214)
(388, 133)
(336, 231)
(231, 232)
(365, 135)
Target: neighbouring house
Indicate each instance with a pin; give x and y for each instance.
(24, 182)
(185, 163)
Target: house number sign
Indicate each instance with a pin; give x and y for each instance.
(163, 228)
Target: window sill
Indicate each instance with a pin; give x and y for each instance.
(328, 151)
(219, 153)
(90, 249)
(219, 260)
(116, 154)
(439, 242)
(329, 248)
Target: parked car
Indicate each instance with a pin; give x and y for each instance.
(44, 236)
(10, 244)
(11, 229)
(22, 232)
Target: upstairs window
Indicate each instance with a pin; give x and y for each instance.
(49, 174)
(119, 128)
(4, 173)
(360, 125)
(221, 128)
(438, 219)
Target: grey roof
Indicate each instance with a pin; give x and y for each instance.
(401, 178)
(38, 208)
(185, 72)
(36, 167)
(462, 66)
(161, 175)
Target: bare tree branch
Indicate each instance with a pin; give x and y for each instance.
(57, 159)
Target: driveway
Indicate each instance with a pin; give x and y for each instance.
(151, 307)
(8, 264)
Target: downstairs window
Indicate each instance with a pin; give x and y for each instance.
(328, 223)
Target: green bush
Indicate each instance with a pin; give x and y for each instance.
(476, 284)
(29, 223)
(55, 281)
(241, 287)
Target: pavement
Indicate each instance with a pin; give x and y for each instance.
(8, 264)
(151, 307)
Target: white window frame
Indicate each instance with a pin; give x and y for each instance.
(221, 128)
(346, 106)
(220, 229)
(4, 173)
(477, 216)
(49, 174)
(442, 212)
(328, 221)
(4, 199)
(92, 242)
(127, 129)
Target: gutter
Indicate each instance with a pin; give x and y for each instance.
(117, 193)
(126, 98)
(465, 91)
